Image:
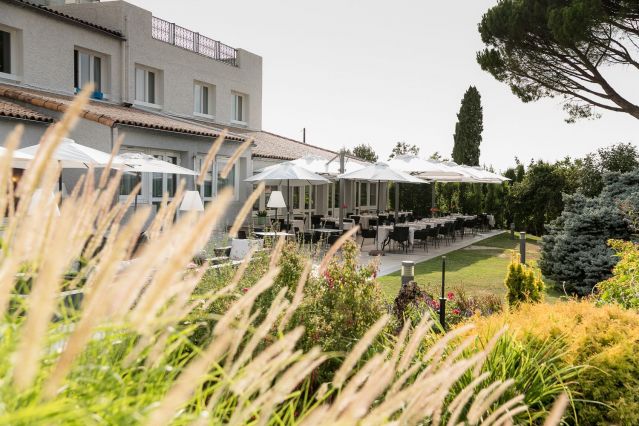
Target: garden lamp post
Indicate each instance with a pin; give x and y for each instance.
(442, 299)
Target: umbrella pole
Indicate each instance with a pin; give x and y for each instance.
(135, 203)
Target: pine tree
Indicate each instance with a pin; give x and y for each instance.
(468, 130)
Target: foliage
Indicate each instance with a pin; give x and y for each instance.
(414, 197)
(365, 152)
(548, 48)
(575, 251)
(126, 356)
(340, 305)
(412, 303)
(402, 148)
(468, 129)
(623, 287)
(604, 340)
(523, 283)
(537, 199)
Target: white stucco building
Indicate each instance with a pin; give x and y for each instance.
(169, 90)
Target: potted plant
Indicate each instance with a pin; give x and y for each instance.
(261, 217)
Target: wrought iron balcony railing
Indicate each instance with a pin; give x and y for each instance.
(186, 39)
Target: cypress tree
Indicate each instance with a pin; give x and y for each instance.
(468, 130)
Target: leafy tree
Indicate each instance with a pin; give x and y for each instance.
(365, 152)
(548, 48)
(621, 158)
(468, 129)
(575, 250)
(537, 199)
(402, 148)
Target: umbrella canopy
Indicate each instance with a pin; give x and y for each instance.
(380, 172)
(138, 162)
(288, 174)
(20, 159)
(429, 169)
(322, 166)
(486, 175)
(73, 155)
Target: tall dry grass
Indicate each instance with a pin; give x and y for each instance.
(125, 355)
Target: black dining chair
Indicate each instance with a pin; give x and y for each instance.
(421, 236)
(369, 233)
(400, 235)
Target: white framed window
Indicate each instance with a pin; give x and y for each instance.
(238, 105)
(363, 194)
(9, 53)
(230, 181)
(89, 68)
(204, 100)
(147, 84)
(154, 185)
(372, 195)
(206, 189)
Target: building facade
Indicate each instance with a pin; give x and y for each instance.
(167, 89)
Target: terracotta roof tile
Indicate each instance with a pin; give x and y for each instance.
(270, 145)
(110, 114)
(66, 17)
(9, 109)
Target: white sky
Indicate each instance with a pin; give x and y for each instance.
(378, 72)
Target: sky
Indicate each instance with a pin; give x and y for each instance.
(379, 72)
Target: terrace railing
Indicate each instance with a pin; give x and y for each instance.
(176, 35)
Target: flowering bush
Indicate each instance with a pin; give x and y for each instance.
(412, 303)
(623, 286)
(340, 305)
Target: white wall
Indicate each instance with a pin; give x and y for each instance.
(180, 67)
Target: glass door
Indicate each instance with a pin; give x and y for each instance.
(163, 182)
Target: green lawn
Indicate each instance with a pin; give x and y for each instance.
(477, 268)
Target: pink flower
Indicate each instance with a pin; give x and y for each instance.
(450, 295)
(456, 311)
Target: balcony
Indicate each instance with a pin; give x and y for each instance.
(186, 39)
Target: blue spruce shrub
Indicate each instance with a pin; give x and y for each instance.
(575, 249)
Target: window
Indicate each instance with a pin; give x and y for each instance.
(336, 193)
(204, 97)
(145, 86)
(229, 180)
(6, 66)
(206, 189)
(88, 69)
(239, 108)
(373, 194)
(363, 198)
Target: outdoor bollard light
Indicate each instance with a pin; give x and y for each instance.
(522, 247)
(408, 272)
(512, 231)
(442, 299)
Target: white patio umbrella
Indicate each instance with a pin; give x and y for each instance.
(139, 163)
(20, 159)
(485, 175)
(322, 166)
(288, 174)
(380, 172)
(72, 155)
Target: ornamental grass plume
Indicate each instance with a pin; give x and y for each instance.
(125, 355)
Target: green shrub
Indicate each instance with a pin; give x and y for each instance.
(623, 287)
(412, 302)
(523, 283)
(340, 305)
(575, 250)
(604, 340)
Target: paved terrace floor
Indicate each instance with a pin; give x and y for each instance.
(392, 260)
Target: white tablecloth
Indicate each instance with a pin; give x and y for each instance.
(298, 223)
(383, 231)
(363, 220)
